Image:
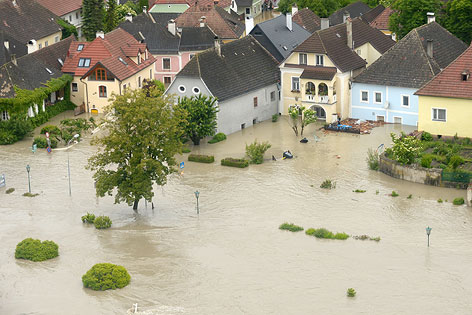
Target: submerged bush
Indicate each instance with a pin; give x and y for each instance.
(36, 250)
(394, 194)
(359, 191)
(275, 117)
(351, 292)
(328, 184)
(89, 218)
(255, 151)
(217, 138)
(440, 200)
(186, 150)
(366, 237)
(372, 159)
(241, 163)
(10, 190)
(458, 201)
(28, 194)
(201, 158)
(324, 233)
(102, 222)
(290, 227)
(41, 142)
(52, 129)
(106, 276)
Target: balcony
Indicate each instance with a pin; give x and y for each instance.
(323, 99)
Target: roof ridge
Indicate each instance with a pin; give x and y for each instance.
(268, 53)
(424, 53)
(322, 43)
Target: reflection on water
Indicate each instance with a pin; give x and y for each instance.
(232, 259)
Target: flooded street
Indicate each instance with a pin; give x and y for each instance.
(232, 258)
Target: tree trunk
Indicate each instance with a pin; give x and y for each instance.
(135, 205)
(196, 140)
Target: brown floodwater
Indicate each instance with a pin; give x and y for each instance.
(232, 258)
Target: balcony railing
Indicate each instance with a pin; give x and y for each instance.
(324, 99)
(309, 97)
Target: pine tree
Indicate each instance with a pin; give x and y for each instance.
(111, 18)
(92, 16)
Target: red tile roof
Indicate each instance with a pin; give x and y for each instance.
(61, 7)
(117, 45)
(381, 21)
(449, 83)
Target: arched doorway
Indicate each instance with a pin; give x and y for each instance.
(320, 112)
(310, 88)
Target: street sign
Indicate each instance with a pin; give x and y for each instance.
(181, 165)
(49, 149)
(47, 134)
(2, 180)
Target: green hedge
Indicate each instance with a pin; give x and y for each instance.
(106, 276)
(52, 129)
(36, 250)
(201, 158)
(218, 137)
(241, 163)
(41, 142)
(102, 222)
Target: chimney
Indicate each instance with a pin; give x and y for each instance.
(171, 27)
(6, 43)
(429, 48)
(32, 46)
(346, 15)
(324, 23)
(203, 21)
(215, 2)
(349, 32)
(431, 17)
(13, 59)
(14, 3)
(129, 17)
(217, 46)
(294, 9)
(288, 18)
(100, 34)
(144, 9)
(249, 23)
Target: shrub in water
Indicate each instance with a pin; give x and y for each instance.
(458, 201)
(89, 218)
(275, 117)
(359, 191)
(394, 194)
(102, 222)
(106, 276)
(186, 150)
(372, 159)
(10, 190)
(324, 233)
(328, 184)
(41, 142)
(28, 194)
(241, 163)
(351, 292)
(201, 158)
(52, 129)
(440, 200)
(218, 137)
(36, 250)
(409, 196)
(255, 151)
(290, 227)
(341, 236)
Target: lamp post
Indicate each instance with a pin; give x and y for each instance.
(428, 231)
(197, 194)
(68, 163)
(28, 168)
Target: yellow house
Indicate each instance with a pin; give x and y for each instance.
(445, 102)
(317, 74)
(111, 63)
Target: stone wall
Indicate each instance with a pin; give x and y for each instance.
(412, 173)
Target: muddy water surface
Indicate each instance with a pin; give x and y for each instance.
(232, 259)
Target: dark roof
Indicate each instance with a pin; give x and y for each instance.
(355, 9)
(307, 19)
(244, 65)
(277, 38)
(196, 38)
(381, 21)
(407, 64)
(449, 82)
(31, 71)
(243, 3)
(316, 72)
(164, 18)
(27, 20)
(373, 13)
(333, 42)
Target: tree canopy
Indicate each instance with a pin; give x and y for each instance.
(201, 116)
(300, 117)
(138, 148)
(111, 20)
(92, 18)
(457, 19)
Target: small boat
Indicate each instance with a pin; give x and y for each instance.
(288, 155)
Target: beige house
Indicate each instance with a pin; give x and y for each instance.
(317, 74)
(111, 63)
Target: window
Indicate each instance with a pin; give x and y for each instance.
(167, 81)
(191, 56)
(272, 96)
(254, 121)
(243, 126)
(77, 15)
(80, 47)
(40, 46)
(248, 11)
(295, 84)
(75, 87)
(380, 118)
(397, 120)
(139, 81)
(406, 100)
(124, 87)
(364, 96)
(439, 114)
(5, 115)
(99, 74)
(319, 60)
(255, 101)
(378, 97)
(150, 74)
(302, 59)
(56, 39)
(102, 91)
(139, 58)
(359, 52)
(84, 62)
(182, 89)
(70, 18)
(166, 63)
(196, 90)
(46, 44)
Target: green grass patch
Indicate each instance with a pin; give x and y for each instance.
(36, 250)
(217, 138)
(10, 190)
(328, 184)
(106, 276)
(359, 191)
(241, 163)
(458, 201)
(324, 233)
(201, 158)
(290, 227)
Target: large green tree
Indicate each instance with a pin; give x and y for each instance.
(457, 19)
(92, 18)
(322, 8)
(138, 148)
(409, 14)
(300, 117)
(110, 21)
(201, 113)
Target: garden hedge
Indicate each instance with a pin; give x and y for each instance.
(201, 158)
(106, 276)
(241, 163)
(36, 250)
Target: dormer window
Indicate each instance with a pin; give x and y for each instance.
(84, 62)
(80, 47)
(465, 75)
(139, 58)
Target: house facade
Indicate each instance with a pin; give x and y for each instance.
(385, 91)
(445, 102)
(70, 11)
(252, 8)
(245, 94)
(318, 72)
(111, 63)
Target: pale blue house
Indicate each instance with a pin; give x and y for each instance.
(385, 90)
